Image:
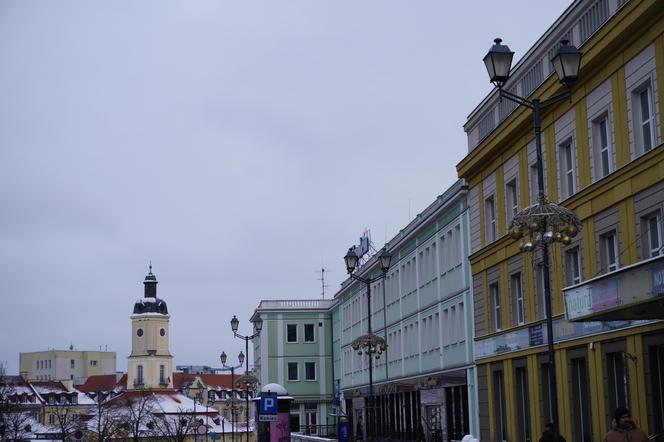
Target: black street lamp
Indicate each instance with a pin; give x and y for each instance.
(369, 344)
(247, 378)
(544, 222)
(232, 398)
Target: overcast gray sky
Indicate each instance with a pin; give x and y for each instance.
(239, 145)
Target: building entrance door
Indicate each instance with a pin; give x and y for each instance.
(434, 416)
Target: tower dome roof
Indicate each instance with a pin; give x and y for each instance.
(150, 303)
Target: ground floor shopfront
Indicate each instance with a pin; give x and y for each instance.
(436, 407)
(606, 365)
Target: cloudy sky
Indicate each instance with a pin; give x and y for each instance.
(238, 145)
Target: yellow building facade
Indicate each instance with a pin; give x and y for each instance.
(604, 160)
(69, 364)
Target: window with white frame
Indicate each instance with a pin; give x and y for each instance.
(602, 146)
(309, 371)
(643, 117)
(609, 251)
(512, 200)
(292, 371)
(572, 266)
(446, 321)
(452, 325)
(567, 169)
(308, 332)
(652, 234)
(462, 323)
(291, 332)
(490, 218)
(517, 296)
(494, 296)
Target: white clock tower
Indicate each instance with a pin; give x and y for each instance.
(150, 365)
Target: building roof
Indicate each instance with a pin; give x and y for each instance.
(214, 381)
(103, 382)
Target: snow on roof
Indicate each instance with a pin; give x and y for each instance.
(176, 403)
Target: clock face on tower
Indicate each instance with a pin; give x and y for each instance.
(162, 332)
(139, 332)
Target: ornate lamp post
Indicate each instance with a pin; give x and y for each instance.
(369, 343)
(544, 222)
(247, 379)
(232, 401)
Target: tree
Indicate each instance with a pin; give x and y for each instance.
(174, 427)
(137, 412)
(15, 419)
(66, 418)
(109, 418)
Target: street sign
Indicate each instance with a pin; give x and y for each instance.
(267, 418)
(268, 405)
(201, 429)
(78, 435)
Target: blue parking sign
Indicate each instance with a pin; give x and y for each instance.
(268, 405)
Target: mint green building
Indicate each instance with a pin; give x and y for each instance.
(294, 349)
(424, 384)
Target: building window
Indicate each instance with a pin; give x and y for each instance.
(308, 333)
(512, 197)
(522, 404)
(162, 374)
(517, 297)
(490, 216)
(609, 249)
(139, 374)
(644, 121)
(572, 266)
(309, 371)
(617, 381)
(494, 294)
(652, 228)
(72, 363)
(291, 332)
(500, 412)
(93, 363)
(292, 371)
(567, 172)
(581, 417)
(602, 147)
(311, 418)
(51, 419)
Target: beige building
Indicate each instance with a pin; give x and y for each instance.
(65, 364)
(150, 365)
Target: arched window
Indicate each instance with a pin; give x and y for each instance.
(139, 374)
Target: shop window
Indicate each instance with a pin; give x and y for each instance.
(499, 410)
(522, 402)
(580, 400)
(311, 418)
(545, 391)
(654, 352)
(616, 377)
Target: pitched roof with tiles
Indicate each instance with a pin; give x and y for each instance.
(214, 381)
(103, 382)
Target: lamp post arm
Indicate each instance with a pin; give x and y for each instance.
(367, 280)
(246, 338)
(515, 98)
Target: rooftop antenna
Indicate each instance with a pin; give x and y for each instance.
(322, 280)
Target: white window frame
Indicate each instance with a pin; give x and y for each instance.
(288, 372)
(651, 250)
(516, 289)
(512, 199)
(573, 266)
(567, 168)
(638, 118)
(494, 293)
(602, 146)
(288, 340)
(610, 252)
(313, 333)
(490, 218)
(306, 378)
